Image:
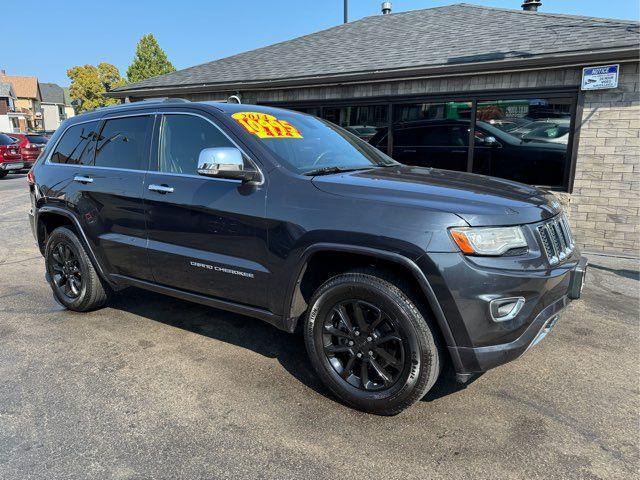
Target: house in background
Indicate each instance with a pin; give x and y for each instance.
(28, 114)
(7, 106)
(54, 106)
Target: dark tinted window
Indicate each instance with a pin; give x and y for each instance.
(6, 139)
(76, 145)
(37, 139)
(182, 138)
(529, 139)
(124, 143)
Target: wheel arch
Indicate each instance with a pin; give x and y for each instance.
(49, 218)
(295, 302)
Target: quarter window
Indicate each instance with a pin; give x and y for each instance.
(76, 147)
(182, 138)
(124, 143)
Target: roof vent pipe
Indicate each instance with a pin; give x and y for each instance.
(386, 8)
(531, 5)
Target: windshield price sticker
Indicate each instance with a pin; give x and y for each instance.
(264, 125)
(599, 78)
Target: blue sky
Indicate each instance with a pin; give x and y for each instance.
(77, 32)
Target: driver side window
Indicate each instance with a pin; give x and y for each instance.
(182, 138)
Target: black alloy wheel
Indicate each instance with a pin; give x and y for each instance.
(370, 343)
(74, 281)
(363, 346)
(67, 274)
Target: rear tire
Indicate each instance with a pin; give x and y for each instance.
(383, 357)
(3, 173)
(74, 281)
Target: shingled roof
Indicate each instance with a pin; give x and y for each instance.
(460, 37)
(25, 87)
(52, 93)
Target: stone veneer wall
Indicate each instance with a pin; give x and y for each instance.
(604, 205)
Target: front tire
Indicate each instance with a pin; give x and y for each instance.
(75, 283)
(370, 344)
(3, 173)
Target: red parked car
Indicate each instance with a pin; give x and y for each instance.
(30, 145)
(10, 158)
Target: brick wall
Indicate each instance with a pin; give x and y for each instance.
(604, 206)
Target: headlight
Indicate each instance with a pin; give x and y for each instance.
(488, 241)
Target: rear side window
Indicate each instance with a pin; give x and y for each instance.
(182, 138)
(6, 139)
(76, 145)
(124, 143)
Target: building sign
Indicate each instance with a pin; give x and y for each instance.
(599, 78)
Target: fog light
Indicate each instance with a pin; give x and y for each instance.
(504, 309)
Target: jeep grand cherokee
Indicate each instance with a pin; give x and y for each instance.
(389, 270)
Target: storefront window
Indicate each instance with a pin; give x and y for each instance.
(524, 140)
(432, 134)
(521, 139)
(368, 122)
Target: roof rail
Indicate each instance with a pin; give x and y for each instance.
(165, 100)
(147, 100)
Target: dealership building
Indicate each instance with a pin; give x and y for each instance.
(541, 98)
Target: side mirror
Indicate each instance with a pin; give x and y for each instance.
(491, 141)
(224, 162)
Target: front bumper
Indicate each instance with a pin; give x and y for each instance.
(481, 343)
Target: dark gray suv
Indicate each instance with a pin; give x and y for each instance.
(390, 271)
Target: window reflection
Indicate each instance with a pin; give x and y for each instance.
(523, 139)
(432, 134)
(368, 122)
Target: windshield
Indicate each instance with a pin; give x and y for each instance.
(307, 143)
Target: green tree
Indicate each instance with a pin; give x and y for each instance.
(110, 76)
(90, 83)
(149, 60)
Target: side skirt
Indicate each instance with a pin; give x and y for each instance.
(262, 314)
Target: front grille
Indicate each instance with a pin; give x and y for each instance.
(556, 239)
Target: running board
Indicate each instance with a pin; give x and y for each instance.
(255, 312)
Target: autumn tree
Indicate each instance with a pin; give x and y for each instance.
(149, 61)
(90, 83)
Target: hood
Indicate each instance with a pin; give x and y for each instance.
(477, 199)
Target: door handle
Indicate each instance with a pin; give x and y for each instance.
(82, 179)
(161, 188)
(408, 150)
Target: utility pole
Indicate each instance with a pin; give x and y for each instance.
(346, 11)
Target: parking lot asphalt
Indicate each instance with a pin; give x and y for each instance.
(154, 387)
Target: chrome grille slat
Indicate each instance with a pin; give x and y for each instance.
(557, 241)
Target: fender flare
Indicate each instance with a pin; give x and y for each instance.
(83, 238)
(425, 286)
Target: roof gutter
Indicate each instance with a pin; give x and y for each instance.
(572, 59)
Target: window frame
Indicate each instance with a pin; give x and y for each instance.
(154, 165)
(49, 160)
(102, 123)
(576, 97)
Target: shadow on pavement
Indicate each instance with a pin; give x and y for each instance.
(621, 272)
(245, 332)
(249, 333)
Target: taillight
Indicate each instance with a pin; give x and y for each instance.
(30, 178)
